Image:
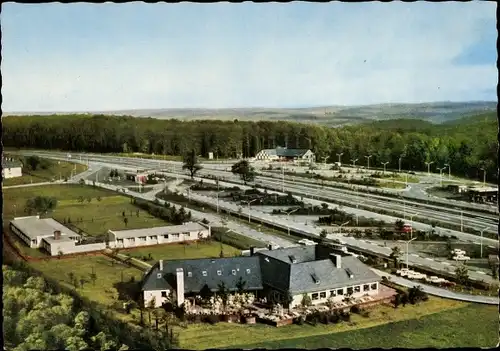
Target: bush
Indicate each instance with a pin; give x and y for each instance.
(212, 319)
(299, 320)
(355, 309)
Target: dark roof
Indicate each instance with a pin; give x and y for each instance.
(285, 152)
(195, 281)
(312, 271)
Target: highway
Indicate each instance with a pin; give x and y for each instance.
(433, 290)
(477, 220)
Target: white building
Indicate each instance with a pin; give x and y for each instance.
(189, 231)
(33, 229)
(285, 154)
(11, 168)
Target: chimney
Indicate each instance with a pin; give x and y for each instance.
(57, 234)
(252, 250)
(160, 264)
(180, 286)
(336, 259)
(270, 246)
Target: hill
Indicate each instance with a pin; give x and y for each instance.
(435, 112)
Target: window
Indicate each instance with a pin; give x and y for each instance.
(248, 270)
(163, 294)
(333, 293)
(165, 236)
(219, 272)
(233, 271)
(322, 295)
(315, 296)
(204, 273)
(366, 287)
(374, 286)
(190, 274)
(350, 290)
(340, 292)
(357, 288)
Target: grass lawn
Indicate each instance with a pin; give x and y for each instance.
(99, 216)
(181, 251)
(436, 317)
(55, 170)
(107, 275)
(449, 329)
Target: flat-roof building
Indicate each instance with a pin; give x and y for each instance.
(33, 229)
(188, 231)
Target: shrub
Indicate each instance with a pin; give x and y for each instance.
(213, 319)
(299, 320)
(355, 309)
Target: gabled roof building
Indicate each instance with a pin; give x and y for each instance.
(283, 153)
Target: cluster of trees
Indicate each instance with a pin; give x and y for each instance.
(36, 318)
(167, 213)
(467, 145)
(336, 216)
(40, 205)
(414, 295)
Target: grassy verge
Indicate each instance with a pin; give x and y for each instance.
(54, 171)
(183, 251)
(389, 184)
(450, 329)
(234, 239)
(202, 336)
(103, 212)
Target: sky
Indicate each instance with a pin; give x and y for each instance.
(99, 57)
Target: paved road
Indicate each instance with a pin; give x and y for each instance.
(432, 290)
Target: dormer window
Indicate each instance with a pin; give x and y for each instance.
(233, 271)
(219, 272)
(204, 273)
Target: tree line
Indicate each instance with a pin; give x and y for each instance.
(467, 145)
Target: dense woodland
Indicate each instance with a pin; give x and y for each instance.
(467, 144)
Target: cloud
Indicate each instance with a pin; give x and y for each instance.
(332, 55)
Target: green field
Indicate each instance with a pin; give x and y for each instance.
(97, 216)
(55, 170)
(224, 335)
(183, 251)
(107, 275)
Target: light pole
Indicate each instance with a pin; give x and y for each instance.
(407, 249)
(411, 228)
(484, 177)
(340, 227)
(218, 192)
(282, 177)
(340, 155)
(354, 162)
(368, 161)
(449, 170)
(385, 164)
(400, 158)
(482, 231)
(429, 167)
(288, 220)
(249, 202)
(189, 192)
(441, 176)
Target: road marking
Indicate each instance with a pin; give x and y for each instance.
(446, 263)
(480, 272)
(491, 247)
(429, 259)
(414, 255)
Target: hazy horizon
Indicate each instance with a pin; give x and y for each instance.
(133, 56)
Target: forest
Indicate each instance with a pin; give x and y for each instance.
(39, 314)
(467, 145)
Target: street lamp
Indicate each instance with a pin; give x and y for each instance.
(340, 227)
(249, 202)
(218, 192)
(400, 157)
(189, 192)
(340, 155)
(407, 249)
(385, 164)
(484, 176)
(411, 228)
(354, 162)
(441, 176)
(449, 170)
(288, 216)
(368, 160)
(482, 231)
(429, 167)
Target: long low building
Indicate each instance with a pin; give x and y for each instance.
(33, 229)
(189, 231)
